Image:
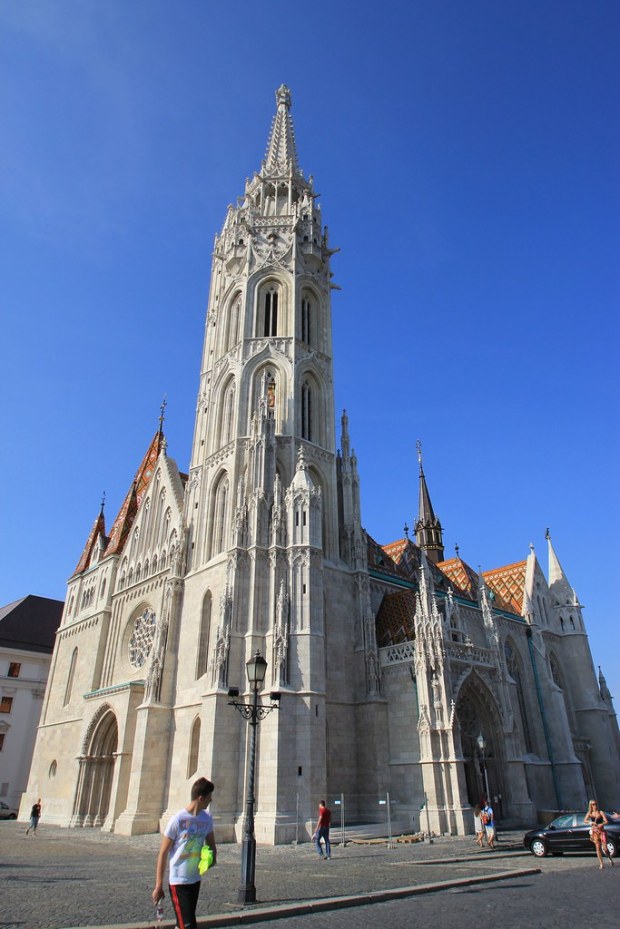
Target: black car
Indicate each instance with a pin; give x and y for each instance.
(569, 833)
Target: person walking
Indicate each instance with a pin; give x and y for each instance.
(35, 816)
(322, 831)
(598, 820)
(478, 827)
(186, 834)
(488, 822)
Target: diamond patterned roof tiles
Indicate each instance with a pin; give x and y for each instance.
(508, 585)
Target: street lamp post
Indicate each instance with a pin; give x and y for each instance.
(482, 745)
(256, 669)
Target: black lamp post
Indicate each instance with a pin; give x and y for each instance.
(256, 668)
(482, 745)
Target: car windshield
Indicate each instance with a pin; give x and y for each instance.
(564, 821)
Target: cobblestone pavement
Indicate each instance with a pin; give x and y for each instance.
(65, 877)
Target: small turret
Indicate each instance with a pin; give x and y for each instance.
(428, 531)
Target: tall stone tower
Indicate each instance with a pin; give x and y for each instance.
(276, 556)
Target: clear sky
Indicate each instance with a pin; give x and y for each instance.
(467, 158)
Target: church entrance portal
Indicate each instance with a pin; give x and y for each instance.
(92, 797)
(477, 717)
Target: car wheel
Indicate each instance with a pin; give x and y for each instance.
(13, 816)
(612, 848)
(539, 848)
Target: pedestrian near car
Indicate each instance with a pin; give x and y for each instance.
(186, 834)
(598, 820)
(322, 831)
(35, 816)
(488, 821)
(478, 827)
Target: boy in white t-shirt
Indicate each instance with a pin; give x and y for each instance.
(184, 837)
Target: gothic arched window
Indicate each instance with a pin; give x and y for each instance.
(70, 677)
(219, 517)
(271, 312)
(234, 318)
(194, 747)
(202, 657)
(227, 421)
(513, 665)
(306, 320)
(306, 412)
(268, 310)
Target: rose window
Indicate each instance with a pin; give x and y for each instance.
(142, 638)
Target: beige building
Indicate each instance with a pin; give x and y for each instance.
(390, 661)
(27, 632)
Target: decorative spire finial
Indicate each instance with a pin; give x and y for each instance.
(283, 96)
(456, 549)
(102, 502)
(418, 446)
(548, 535)
(406, 530)
(162, 413)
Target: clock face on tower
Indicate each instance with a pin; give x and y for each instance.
(141, 638)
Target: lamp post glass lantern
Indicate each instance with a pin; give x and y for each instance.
(256, 670)
(482, 745)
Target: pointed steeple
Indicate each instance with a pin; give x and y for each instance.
(127, 513)
(558, 582)
(603, 688)
(97, 534)
(281, 155)
(428, 531)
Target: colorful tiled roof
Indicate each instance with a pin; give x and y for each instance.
(97, 530)
(395, 619)
(461, 576)
(127, 513)
(408, 557)
(507, 584)
(379, 559)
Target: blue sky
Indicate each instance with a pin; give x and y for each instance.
(467, 159)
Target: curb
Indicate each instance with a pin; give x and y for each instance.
(262, 914)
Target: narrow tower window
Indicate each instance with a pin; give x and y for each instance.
(306, 412)
(194, 747)
(271, 313)
(202, 658)
(70, 677)
(306, 321)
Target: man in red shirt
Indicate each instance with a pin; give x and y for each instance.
(322, 831)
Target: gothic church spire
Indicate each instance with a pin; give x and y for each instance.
(281, 155)
(428, 531)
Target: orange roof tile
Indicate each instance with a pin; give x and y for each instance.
(97, 530)
(461, 576)
(127, 513)
(507, 584)
(395, 619)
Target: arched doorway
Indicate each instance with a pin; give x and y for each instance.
(94, 787)
(478, 716)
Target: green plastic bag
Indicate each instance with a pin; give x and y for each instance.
(206, 859)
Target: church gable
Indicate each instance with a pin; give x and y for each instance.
(127, 513)
(96, 537)
(156, 530)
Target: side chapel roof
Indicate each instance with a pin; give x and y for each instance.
(508, 586)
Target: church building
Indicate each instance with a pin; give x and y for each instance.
(399, 672)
